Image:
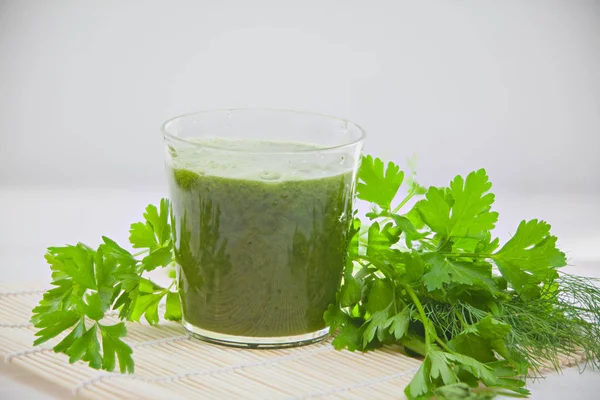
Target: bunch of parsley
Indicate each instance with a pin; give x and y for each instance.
(431, 279)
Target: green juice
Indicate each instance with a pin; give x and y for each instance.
(260, 245)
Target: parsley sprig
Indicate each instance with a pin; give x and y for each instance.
(91, 284)
(432, 279)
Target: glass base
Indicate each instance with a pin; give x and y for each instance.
(255, 342)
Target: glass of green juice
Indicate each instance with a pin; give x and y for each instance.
(262, 203)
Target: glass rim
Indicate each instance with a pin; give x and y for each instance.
(170, 136)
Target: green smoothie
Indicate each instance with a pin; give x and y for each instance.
(260, 244)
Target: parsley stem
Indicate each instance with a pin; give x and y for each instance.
(397, 208)
(442, 244)
(139, 253)
(463, 324)
(394, 211)
(393, 297)
(424, 318)
(365, 258)
(410, 195)
(443, 344)
(428, 333)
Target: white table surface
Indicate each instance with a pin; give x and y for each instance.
(35, 218)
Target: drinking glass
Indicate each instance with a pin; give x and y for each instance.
(262, 204)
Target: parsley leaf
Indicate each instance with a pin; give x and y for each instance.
(444, 271)
(54, 323)
(530, 256)
(463, 209)
(161, 257)
(147, 305)
(399, 323)
(86, 348)
(377, 186)
(114, 346)
(381, 238)
(173, 307)
(156, 231)
(142, 236)
(334, 318)
(159, 221)
(482, 339)
(419, 386)
(348, 337)
(380, 296)
(351, 291)
(441, 367)
(375, 325)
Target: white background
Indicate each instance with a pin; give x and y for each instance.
(512, 86)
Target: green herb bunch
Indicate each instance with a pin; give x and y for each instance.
(91, 284)
(431, 279)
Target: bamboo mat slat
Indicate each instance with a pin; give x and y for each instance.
(171, 365)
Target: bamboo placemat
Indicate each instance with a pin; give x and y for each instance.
(169, 365)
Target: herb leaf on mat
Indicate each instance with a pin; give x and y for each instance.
(91, 283)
